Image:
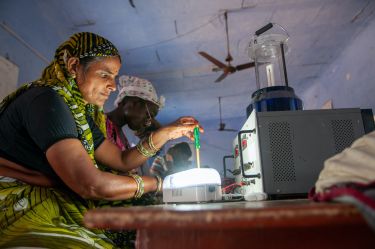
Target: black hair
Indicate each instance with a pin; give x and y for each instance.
(182, 148)
(87, 61)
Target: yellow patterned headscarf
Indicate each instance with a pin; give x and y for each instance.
(56, 76)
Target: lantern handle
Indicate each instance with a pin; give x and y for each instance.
(268, 27)
(263, 29)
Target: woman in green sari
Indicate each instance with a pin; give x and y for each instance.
(53, 150)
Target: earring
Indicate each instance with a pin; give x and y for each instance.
(73, 75)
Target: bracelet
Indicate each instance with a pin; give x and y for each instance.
(142, 150)
(140, 185)
(151, 143)
(159, 184)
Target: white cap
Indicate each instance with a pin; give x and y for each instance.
(137, 87)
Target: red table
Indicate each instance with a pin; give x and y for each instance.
(266, 224)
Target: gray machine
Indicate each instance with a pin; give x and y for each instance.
(280, 154)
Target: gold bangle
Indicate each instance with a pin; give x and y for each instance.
(151, 143)
(159, 184)
(142, 150)
(150, 153)
(140, 185)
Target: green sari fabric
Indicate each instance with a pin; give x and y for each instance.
(45, 217)
(53, 218)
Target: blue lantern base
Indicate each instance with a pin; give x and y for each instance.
(275, 98)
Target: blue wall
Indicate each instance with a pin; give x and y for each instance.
(350, 80)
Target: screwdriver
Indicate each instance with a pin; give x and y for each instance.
(197, 145)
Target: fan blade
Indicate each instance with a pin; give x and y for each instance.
(245, 66)
(221, 77)
(213, 60)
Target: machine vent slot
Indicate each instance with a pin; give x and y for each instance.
(282, 152)
(343, 133)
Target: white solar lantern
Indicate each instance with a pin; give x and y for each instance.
(268, 52)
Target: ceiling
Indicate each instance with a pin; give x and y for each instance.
(160, 40)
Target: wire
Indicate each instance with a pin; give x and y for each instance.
(194, 29)
(231, 187)
(178, 36)
(221, 121)
(229, 57)
(23, 42)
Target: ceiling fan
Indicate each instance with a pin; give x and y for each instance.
(226, 68)
(221, 124)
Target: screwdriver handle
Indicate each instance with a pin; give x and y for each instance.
(196, 138)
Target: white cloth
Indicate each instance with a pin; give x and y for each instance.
(355, 164)
(137, 87)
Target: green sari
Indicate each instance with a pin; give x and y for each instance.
(45, 217)
(53, 218)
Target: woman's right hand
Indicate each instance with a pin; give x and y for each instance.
(184, 126)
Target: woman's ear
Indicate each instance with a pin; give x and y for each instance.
(72, 66)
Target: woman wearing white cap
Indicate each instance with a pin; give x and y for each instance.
(137, 104)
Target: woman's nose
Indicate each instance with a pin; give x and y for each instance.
(112, 85)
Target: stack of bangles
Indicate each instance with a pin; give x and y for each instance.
(145, 152)
(141, 186)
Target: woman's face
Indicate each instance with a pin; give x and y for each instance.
(98, 79)
(138, 113)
